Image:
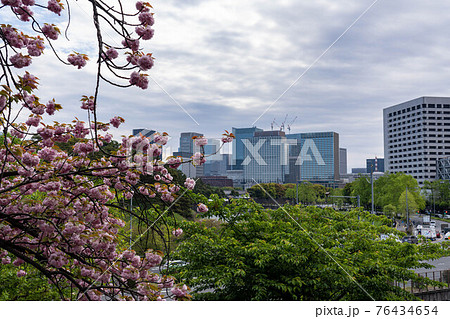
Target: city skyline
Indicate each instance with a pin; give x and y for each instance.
(351, 58)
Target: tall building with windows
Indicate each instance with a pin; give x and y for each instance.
(238, 146)
(342, 161)
(185, 151)
(265, 158)
(277, 157)
(416, 136)
(375, 165)
(315, 158)
(187, 144)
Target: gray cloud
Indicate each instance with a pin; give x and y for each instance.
(225, 62)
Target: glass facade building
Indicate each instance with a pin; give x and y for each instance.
(276, 157)
(238, 146)
(316, 157)
(265, 158)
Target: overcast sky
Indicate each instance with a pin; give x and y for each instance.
(227, 64)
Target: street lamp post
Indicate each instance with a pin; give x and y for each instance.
(371, 185)
(407, 211)
(408, 226)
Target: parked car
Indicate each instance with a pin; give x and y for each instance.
(410, 239)
(447, 236)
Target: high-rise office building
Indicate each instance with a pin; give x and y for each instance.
(185, 151)
(187, 144)
(265, 158)
(238, 146)
(315, 158)
(416, 136)
(277, 157)
(342, 161)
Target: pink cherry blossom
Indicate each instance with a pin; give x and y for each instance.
(3, 102)
(47, 154)
(174, 162)
(21, 273)
(198, 159)
(131, 44)
(13, 37)
(227, 139)
(141, 7)
(20, 61)
(29, 80)
(29, 159)
(146, 18)
(145, 32)
(88, 104)
(50, 107)
(112, 53)
(177, 232)
(33, 121)
(179, 291)
(140, 80)
(189, 183)
(116, 121)
(54, 6)
(50, 31)
(12, 3)
(145, 63)
(202, 208)
(201, 141)
(161, 139)
(24, 13)
(35, 47)
(78, 60)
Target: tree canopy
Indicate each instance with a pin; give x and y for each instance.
(297, 254)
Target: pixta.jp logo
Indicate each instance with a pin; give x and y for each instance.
(308, 152)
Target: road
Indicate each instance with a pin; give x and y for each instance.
(440, 264)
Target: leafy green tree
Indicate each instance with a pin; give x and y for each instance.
(34, 286)
(273, 190)
(389, 187)
(362, 187)
(297, 254)
(410, 208)
(437, 194)
(306, 193)
(390, 210)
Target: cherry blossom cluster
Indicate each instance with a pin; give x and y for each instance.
(59, 193)
(177, 232)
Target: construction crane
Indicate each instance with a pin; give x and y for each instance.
(289, 125)
(272, 124)
(282, 123)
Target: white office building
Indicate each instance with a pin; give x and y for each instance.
(416, 136)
